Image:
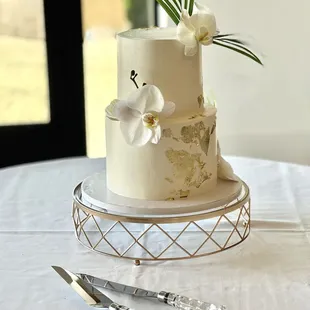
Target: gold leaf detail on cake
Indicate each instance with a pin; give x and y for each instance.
(200, 126)
(198, 134)
(201, 101)
(169, 180)
(181, 194)
(204, 141)
(213, 128)
(167, 133)
(170, 199)
(184, 194)
(188, 134)
(203, 177)
(188, 167)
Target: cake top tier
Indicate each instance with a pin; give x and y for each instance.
(154, 33)
(158, 58)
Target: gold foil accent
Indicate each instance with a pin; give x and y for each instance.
(169, 180)
(188, 167)
(170, 199)
(188, 135)
(204, 141)
(181, 194)
(213, 128)
(198, 134)
(197, 115)
(184, 194)
(167, 133)
(201, 101)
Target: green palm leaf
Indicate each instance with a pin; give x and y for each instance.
(177, 4)
(170, 10)
(240, 44)
(223, 35)
(186, 5)
(238, 50)
(191, 7)
(226, 38)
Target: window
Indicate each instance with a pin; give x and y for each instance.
(102, 19)
(23, 70)
(41, 81)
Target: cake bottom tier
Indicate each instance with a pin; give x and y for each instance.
(182, 164)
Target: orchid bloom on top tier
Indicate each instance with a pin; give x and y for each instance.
(140, 115)
(195, 29)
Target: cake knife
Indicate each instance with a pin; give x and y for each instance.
(172, 299)
(91, 295)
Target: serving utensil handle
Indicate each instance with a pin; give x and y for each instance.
(116, 306)
(185, 303)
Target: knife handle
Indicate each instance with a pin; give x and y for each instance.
(184, 303)
(116, 306)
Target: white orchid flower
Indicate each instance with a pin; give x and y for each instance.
(224, 170)
(141, 114)
(195, 29)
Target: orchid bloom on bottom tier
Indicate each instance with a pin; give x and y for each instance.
(140, 115)
(224, 171)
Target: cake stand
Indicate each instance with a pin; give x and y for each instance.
(142, 230)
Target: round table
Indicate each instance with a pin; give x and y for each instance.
(271, 270)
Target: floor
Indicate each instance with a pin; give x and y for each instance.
(24, 89)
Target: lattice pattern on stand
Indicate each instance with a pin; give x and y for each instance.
(226, 231)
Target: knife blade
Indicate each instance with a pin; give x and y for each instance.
(117, 287)
(89, 294)
(172, 299)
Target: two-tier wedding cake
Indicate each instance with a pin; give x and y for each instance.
(161, 137)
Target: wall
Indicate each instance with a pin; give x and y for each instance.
(263, 112)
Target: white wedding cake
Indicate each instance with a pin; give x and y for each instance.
(161, 137)
(184, 162)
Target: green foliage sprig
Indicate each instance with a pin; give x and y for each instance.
(174, 9)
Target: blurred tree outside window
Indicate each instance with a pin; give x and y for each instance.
(140, 13)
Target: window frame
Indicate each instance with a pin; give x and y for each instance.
(65, 134)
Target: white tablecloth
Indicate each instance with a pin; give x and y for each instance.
(271, 270)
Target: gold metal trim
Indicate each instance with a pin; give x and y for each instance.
(240, 227)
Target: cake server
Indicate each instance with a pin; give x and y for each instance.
(91, 295)
(172, 299)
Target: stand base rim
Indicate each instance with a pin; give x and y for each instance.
(94, 192)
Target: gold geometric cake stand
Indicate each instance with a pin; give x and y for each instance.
(162, 237)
